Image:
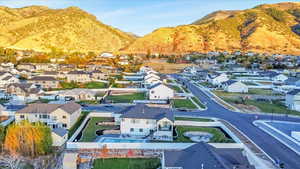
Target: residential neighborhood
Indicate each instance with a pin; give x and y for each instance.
(220, 90)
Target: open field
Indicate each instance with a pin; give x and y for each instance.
(127, 163)
(163, 67)
(198, 102)
(218, 135)
(127, 98)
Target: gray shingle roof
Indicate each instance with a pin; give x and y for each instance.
(204, 154)
(77, 72)
(294, 92)
(44, 108)
(229, 82)
(43, 78)
(141, 111)
(60, 131)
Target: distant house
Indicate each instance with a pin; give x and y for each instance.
(46, 82)
(292, 81)
(151, 75)
(7, 78)
(279, 77)
(99, 75)
(217, 79)
(144, 121)
(160, 91)
(25, 90)
(107, 55)
(53, 115)
(205, 156)
(234, 86)
(43, 67)
(78, 76)
(78, 94)
(26, 66)
(292, 100)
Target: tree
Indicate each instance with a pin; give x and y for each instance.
(28, 139)
(2, 137)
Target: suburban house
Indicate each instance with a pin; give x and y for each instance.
(24, 90)
(46, 82)
(147, 122)
(292, 81)
(44, 67)
(53, 115)
(217, 79)
(234, 86)
(7, 78)
(151, 75)
(78, 94)
(160, 91)
(205, 156)
(78, 76)
(279, 77)
(26, 66)
(292, 99)
(98, 75)
(59, 136)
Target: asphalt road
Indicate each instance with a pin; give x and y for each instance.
(243, 122)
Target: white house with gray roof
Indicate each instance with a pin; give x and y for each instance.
(292, 99)
(160, 91)
(147, 122)
(234, 86)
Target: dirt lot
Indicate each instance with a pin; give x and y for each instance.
(163, 67)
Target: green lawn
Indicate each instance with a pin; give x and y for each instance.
(183, 103)
(89, 132)
(198, 102)
(193, 119)
(95, 85)
(128, 98)
(78, 123)
(71, 85)
(261, 92)
(250, 83)
(206, 84)
(88, 102)
(177, 89)
(127, 163)
(219, 136)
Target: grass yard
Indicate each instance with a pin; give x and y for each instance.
(206, 84)
(89, 132)
(95, 85)
(78, 123)
(250, 83)
(261, 92)
(183, 103)
(275, 107)
(219, 136)
(198, 102)
(71, 85)
(193, 119)
(126, 163)
(128, 98)
(177, 89)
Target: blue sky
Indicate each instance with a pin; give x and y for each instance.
(144, 16)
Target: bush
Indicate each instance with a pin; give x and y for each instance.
(276, 14)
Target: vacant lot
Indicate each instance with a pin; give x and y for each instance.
(127, 163)
(126, 98)
(163, 67)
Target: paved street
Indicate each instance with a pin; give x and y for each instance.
(274, 148)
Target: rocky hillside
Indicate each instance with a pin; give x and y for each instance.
(268, 28)
(71, 29)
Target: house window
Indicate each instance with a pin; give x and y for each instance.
(152, 92)
(22, 116)
(141, 130)
(64, 117)
(64, 125)
(131, 130)
(45, 116)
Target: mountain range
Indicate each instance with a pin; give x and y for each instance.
(268, 28)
